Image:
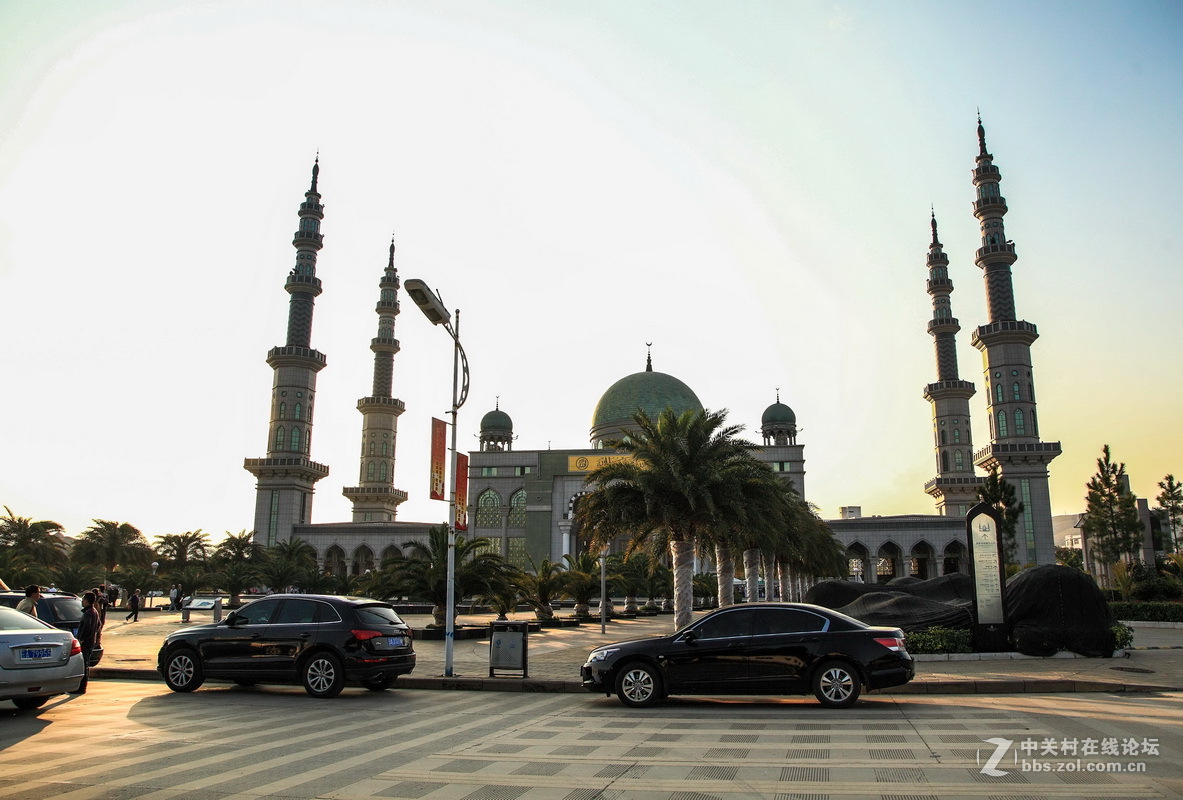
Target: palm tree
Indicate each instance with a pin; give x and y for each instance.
(41, 542)
(179, 549)
(141, 578)
(239, 546)
(296, 552)
(629, 576)
(17, 570)
(540, 586)
(76, 578)
(193, 579)
(235, 577)
(107, 544)
(421, 571)
(581, 580)
(278, 573)
(682, 485)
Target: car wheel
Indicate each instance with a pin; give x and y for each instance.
(28, 703)
(379, 684)
(639, 685)
(323, 675)
(836, 685)
(182, 670)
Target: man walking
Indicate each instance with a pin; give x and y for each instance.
(172, 598)
(133, 603)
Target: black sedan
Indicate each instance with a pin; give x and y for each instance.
(755, 648)
(320, 641)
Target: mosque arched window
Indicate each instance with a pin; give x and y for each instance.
(299, 411)
(1020, 427)
(998, 392)
(1015, 391)
(385, 449)
(279, 438)
(1034, 426)
(488, 509)
(943, 438)
(958, 461)
(1002, 431)
(371, 448)
(517, 509)
(944, 462)
(957, 436)
(295, 440)
(382, 470)
(370, 471)
(283, 410)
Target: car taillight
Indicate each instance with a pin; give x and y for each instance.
(891, 643)
(363, 636)
(75, 648)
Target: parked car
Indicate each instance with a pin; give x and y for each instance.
(37, 660)
(320, 641)
(755, 648)
(61, 610)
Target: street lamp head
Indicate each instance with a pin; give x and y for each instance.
(432, 307)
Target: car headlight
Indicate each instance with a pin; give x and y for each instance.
(602, 655)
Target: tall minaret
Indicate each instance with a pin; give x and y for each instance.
(374, 498)
(1005, 343)
(955, 486)
(287, 475)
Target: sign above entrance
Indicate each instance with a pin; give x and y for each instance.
(588, 463)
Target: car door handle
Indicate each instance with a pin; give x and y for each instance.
(305, 635)
(256, 635)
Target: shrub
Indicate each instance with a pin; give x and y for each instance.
(1123, 636)
(1148, 612)
(940, 640)
(1157, 587)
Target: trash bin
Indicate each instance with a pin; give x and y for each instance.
(508, 647)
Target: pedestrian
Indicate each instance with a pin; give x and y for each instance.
(29, 604)
(133, 603)
(100, 607)
(172, 597)
(88, 637)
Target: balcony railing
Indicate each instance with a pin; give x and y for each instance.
(986, 202)
(990, 249)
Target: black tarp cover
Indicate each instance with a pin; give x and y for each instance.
(1052, 608)
(909, 612)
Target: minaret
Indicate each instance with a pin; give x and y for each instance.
(1005, 343)
(955, 486)
(374, 498)
(287, 475)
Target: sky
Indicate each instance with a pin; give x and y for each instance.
(747, 185)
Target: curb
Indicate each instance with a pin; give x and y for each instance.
(555, 686)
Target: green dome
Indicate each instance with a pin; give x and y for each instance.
(496, 420)
(648, 391)
(778, 414)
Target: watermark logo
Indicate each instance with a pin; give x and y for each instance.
(1052, 754)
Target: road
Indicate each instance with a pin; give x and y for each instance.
(127, 739)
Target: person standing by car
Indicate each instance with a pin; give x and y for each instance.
(88, 636)
(29, 604)
(172, 597)
(133, 604)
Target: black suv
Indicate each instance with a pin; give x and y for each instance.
(59, 609)
(755, 648)
(320, 641)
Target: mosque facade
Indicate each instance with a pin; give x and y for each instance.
(522, 499)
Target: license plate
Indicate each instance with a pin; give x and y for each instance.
(396, 641)
(35, 653)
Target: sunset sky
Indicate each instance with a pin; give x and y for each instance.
(747, 185)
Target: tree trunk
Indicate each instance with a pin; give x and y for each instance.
(725, 573)
(630, 603)
(438, 615)
(782, 574)
(683, 557)
(751, 573)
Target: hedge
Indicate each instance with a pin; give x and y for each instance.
(1147, 612)
(939, 640)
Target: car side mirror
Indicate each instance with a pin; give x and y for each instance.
(690, 637)
(232, 619)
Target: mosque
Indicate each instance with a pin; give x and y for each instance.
(522, 499)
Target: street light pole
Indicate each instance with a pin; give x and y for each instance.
(432, 306)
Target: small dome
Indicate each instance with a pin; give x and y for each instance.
(778, 414)
(648, 391)
(496, 421)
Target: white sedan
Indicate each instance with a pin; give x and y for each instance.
(37, 661)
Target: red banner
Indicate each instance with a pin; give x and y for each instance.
(439, 451)
(461, 484)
